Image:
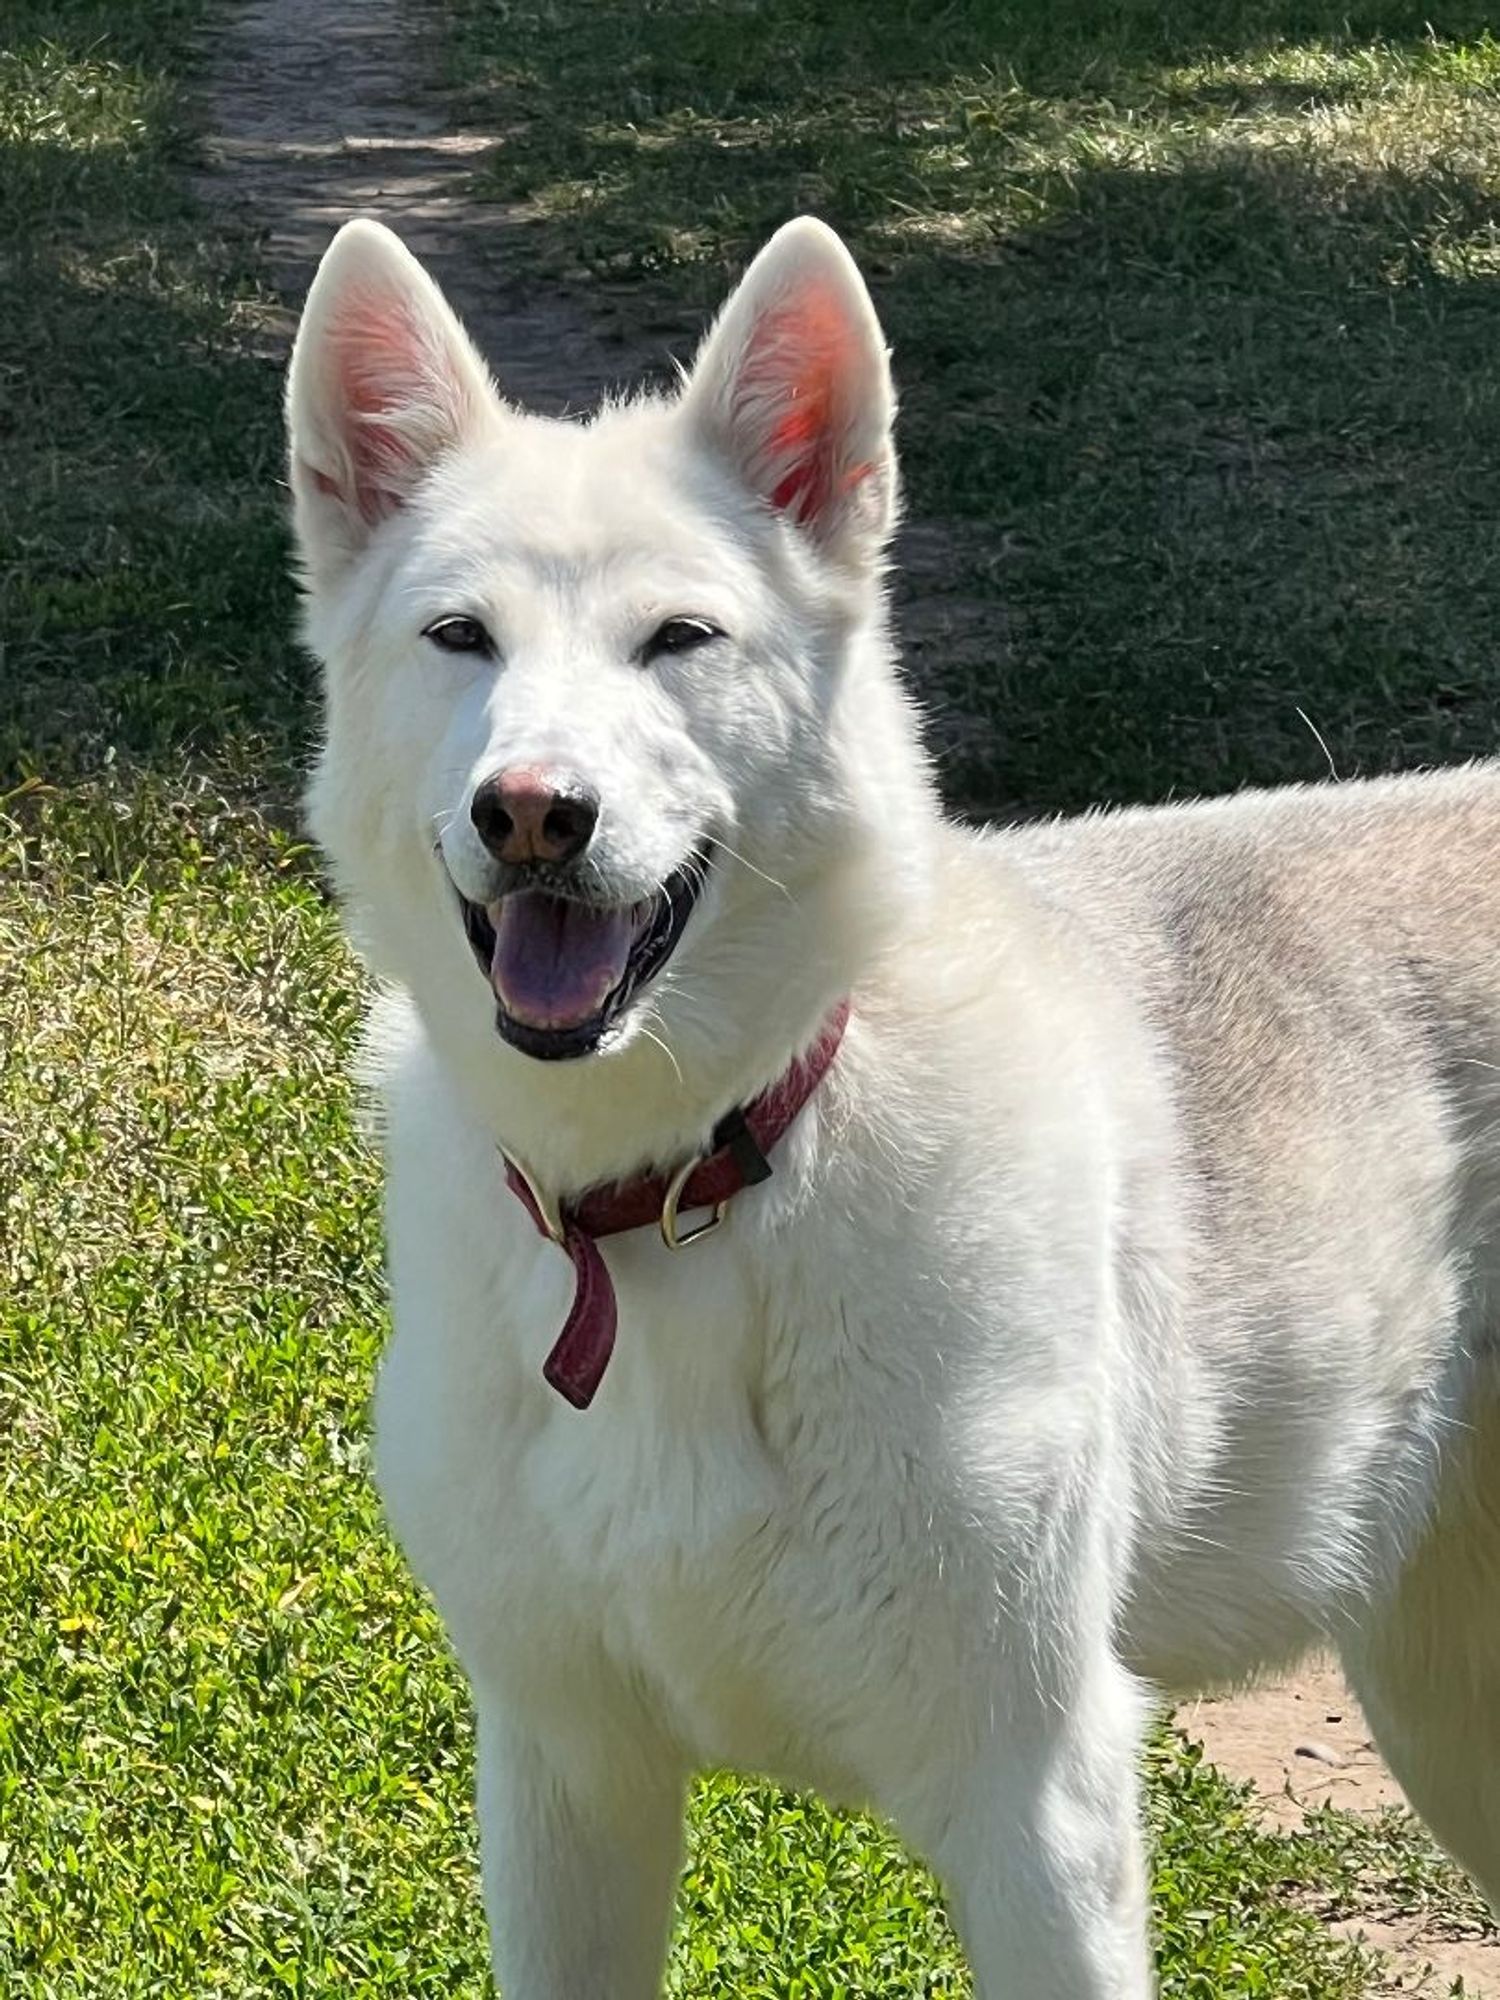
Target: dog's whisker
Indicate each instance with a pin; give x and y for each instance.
(652, 1036)
(735, 855)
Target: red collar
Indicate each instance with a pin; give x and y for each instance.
(736, 1160)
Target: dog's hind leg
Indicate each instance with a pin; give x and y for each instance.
(1041, 1847)
(581, 1839)
(1426, 1667)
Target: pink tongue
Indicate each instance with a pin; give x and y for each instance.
(556, 962)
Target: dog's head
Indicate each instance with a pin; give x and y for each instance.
(614, 746)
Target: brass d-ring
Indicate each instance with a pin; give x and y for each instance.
(549, 1210)
(674, 1238)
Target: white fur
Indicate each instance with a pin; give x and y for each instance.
(1121, 1307)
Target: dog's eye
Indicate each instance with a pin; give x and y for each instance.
(678, 635)
(459, 635)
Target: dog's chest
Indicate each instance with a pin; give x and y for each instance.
(667, 1539)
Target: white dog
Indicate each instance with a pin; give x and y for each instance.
(1122, 1307)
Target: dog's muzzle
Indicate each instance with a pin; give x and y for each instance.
(563, 967)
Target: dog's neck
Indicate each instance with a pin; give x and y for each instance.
(651, 1106)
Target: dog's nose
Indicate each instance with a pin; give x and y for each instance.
(529, 815)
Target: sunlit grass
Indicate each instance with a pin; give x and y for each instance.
(79, 103)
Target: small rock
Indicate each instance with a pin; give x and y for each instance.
(1320, 1754)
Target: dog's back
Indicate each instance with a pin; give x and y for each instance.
(1319, 975)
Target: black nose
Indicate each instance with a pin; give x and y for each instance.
(529, 815)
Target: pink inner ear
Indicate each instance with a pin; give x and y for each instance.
(794, 384)
(383, 367)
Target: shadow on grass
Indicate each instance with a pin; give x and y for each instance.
(1208, 379)
(1231, 438)
(722, 59)
(145, 618)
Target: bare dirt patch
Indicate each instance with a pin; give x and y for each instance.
(1302, 1742)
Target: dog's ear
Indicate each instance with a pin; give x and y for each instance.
(793, 382)
(383, 382)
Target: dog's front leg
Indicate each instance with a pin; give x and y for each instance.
(1036, 1832)
(581, 1838)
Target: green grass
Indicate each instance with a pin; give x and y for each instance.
(234, 1758)
(1194, 312)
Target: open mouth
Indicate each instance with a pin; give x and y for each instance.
(562, 969)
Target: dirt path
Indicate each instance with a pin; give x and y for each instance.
(322, 109)
(318, 110)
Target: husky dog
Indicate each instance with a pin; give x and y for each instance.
(1108, 1292)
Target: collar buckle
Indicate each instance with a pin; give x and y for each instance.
(683, 1239)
